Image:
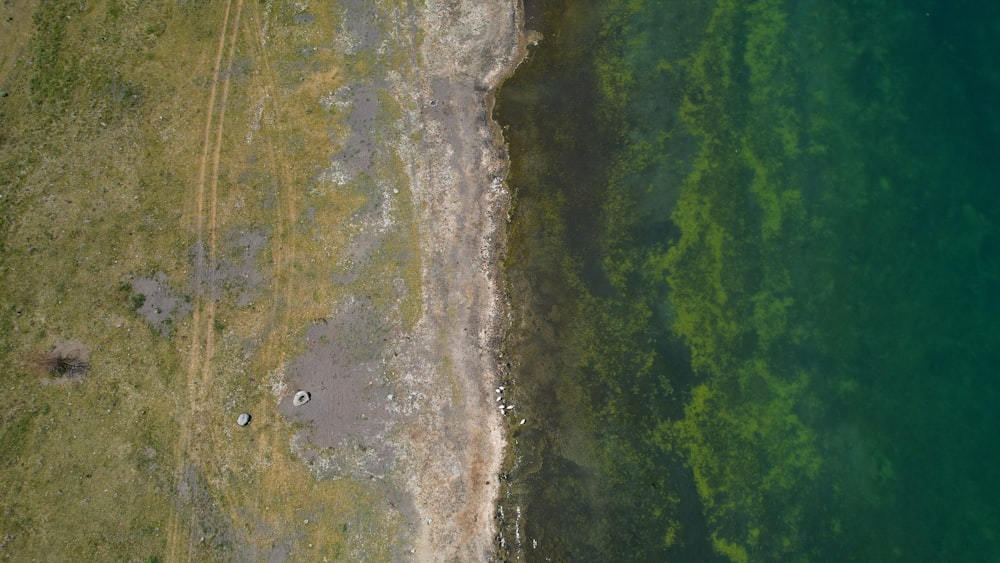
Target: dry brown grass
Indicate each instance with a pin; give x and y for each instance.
(101, 138)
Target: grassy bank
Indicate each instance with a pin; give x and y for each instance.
(163, 209)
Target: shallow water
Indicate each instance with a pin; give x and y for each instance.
(756, 282)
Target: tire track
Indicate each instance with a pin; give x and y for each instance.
(285, 252)
(283, 248)
(198, 373)
(209, 322)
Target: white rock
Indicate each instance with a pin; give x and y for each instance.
(301, 398)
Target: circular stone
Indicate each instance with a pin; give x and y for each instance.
(301, 398)
(243, 419)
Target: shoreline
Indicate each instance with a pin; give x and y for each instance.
(456, 443)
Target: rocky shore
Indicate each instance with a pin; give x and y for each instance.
(457, 175)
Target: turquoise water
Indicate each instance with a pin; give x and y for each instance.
(755, 269)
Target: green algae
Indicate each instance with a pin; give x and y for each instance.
(752, 456)
(757, 433)
(606, 379)
(754, 264)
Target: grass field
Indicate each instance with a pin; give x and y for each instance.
(165, 208)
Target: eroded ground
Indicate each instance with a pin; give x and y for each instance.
(219, 205)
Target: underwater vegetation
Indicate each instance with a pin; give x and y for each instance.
(755, 264)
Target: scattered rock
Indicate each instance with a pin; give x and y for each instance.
(243, 419)
(301, 398)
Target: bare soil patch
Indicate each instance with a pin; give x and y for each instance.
(66, 361)
(158, 304)
(354, 404)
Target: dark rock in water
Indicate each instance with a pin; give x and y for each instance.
(243, 419)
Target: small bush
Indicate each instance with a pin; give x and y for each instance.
(58, 364)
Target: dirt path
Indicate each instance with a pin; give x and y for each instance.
(199, 368)
(283, 246)
(283, 249)
(209, 322)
